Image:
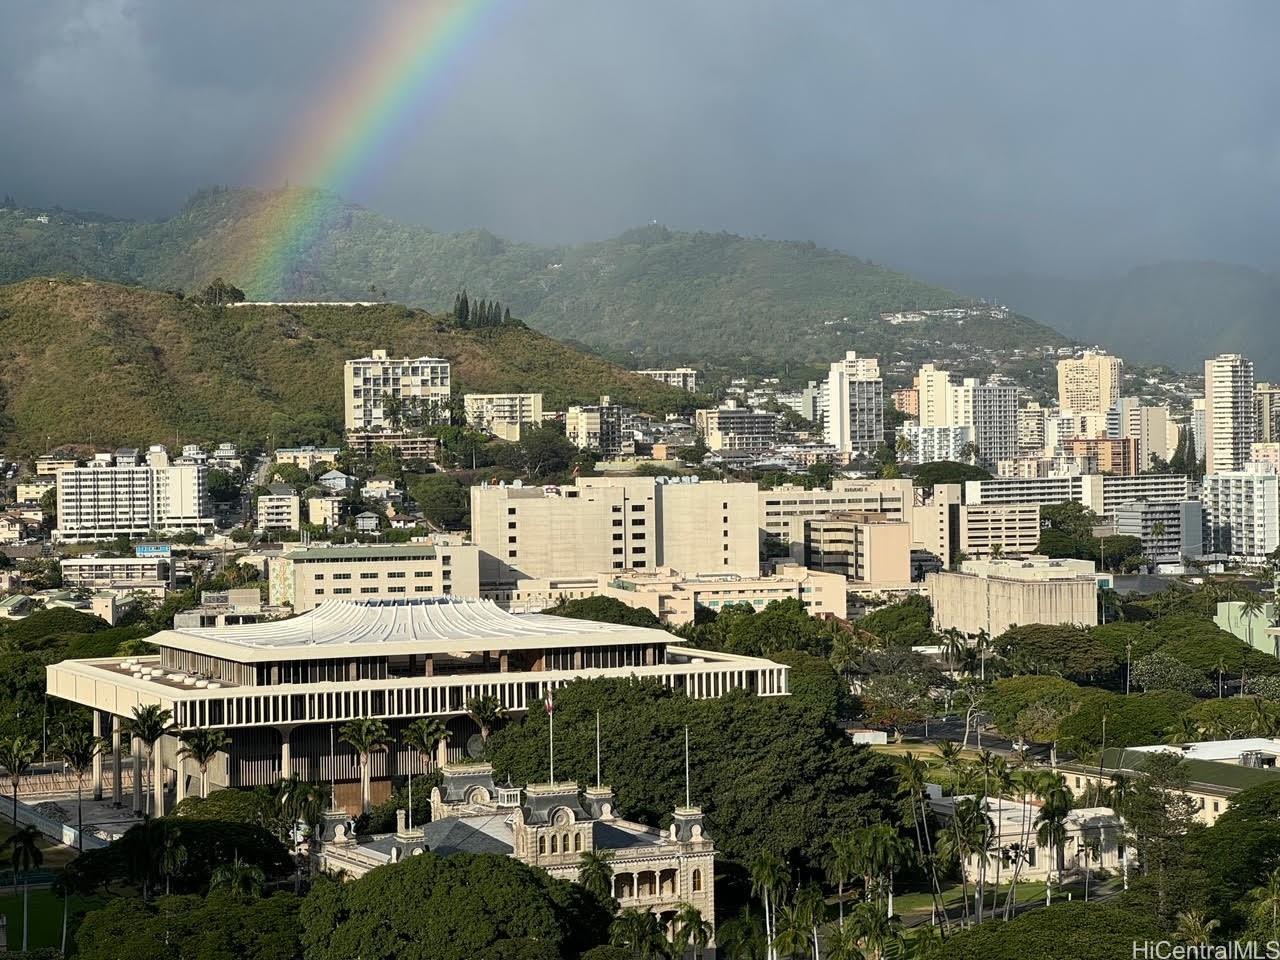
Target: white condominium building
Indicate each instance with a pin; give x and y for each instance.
(604, 524)
(991, 409)
(121, 497)
(604, 427)
(1242, 513)
(280, 509)
(1101, 494)
(492, 412)
(685, 378)
(1228, 412)
(855, 405)
(1032, 419)
(415, 386)
(732, 427)
(1089, 384)
(934, 444)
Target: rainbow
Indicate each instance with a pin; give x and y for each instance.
(349, 135)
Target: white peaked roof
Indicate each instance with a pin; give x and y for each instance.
(339, 628)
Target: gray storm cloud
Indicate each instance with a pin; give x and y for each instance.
(947, 138)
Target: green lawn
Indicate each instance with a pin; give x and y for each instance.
(46, 916)
(1028, 892)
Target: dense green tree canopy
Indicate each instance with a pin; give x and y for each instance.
(605, 610)
(1081, 931)
(771, 773)
(1062, 649)
(222, 927)
(459, 907)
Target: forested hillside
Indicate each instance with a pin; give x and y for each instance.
(82, 359)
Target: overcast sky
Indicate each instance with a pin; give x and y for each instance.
(945, 137)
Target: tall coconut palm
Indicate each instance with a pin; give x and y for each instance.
(692, 931)
(423, 737)
(16, 754)
(912, 775)
(203, 745)
(768, 877)
(148, 724)
(595, 873)
(887, 852)
(1267, 908)
(1002, 784)
(1250, 607)
(488, 713)
(78, 749)
(25, 855)
(367, 736)
(742, 938)
(1051, 831)
(951, 755)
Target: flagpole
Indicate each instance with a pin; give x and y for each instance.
(597, 749)
(688, 802)
(551, 719)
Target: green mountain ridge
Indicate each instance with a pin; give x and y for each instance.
(650, 295)
(86, 360)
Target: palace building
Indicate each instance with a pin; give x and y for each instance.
(547, 825)
(282, 689)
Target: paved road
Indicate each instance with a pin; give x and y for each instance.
(986, 737)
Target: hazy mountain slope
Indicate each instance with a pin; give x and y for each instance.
(1172, 313)
(84, 359)
(650, 293)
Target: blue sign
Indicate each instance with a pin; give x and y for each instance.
(153, 550)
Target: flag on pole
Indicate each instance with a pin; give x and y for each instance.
(549, 702)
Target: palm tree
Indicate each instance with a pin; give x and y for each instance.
(842, 866)
(742, 938)
(1194, 930)
(16, 754)
(887, 850)
(911, 782)
(1221, 668)
(595, 873)
(239, 878)
(202, 745)
(173, 855)
(952, 757)
(488, 713)
(1262, 721)
(876, 932)
(422, 737)
(691, 930)
(792, 938)
(78, 749)
(366, 736)
(1051, 830)
(768, 875)
(1002, 781)
(1185, 729)
(1268, 906)
(25, 855)
(148, 724)
(1250, 606)
(638, 931)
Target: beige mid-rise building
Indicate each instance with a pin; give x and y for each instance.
(674, 599)
(324, 511)
(603, 524)
(993, 595)
(868, 550)
(304, 578)
(951, 529)
(281, 509)
(503, 414)
(605, 427)
(1089, 384)
(732, 427)
(784, 510)
(308, 456)
(416, 386)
